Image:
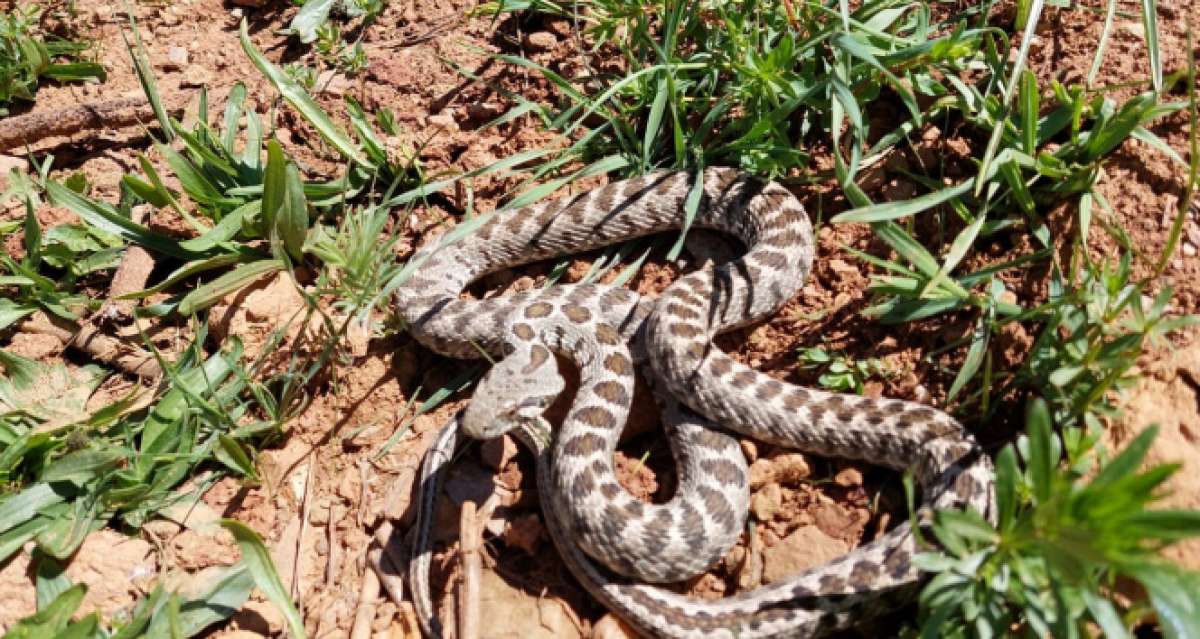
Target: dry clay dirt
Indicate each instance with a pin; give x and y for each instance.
(326, 494)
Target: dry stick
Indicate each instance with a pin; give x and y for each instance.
(335, 550)
(90, 341)
(470, 538)
(472, 567)
(132, 275)
(31, 128)
(368, 594)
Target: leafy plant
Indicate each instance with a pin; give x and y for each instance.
(741, 84)
(841, 373)
(55, 259)
(315, 15)
(26, 57)
(1068, 527)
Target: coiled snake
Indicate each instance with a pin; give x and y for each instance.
(605, 331)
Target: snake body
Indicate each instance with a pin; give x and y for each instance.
(584, 508)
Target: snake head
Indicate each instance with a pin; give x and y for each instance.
(515, 392)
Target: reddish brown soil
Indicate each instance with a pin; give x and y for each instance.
(325, 493)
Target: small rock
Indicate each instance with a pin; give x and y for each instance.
(1188, 249)
(848, 477)
(334, 83)
(444, 121)
(541, 41)
(610, 626)
(7, 164)
(484, 110)
(527, 615)
(766, 502)
(785, 468)
(196, 76)
(842, 266)
(170, 18)
(805, 548)
(261, 617)
(177, 58)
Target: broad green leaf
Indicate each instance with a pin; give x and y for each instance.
(19, 508)
(1041, 462)
(309, 18)
(1007, 474)
(258, 561)
(208, 294)
(302, 102)
(12, 312)
(51, 620)
(82, 465)
(106, 218)
(50, 579)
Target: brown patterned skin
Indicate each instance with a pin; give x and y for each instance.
(649, 542)
(677, 334)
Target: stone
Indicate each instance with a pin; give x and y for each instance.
(766, 502)
(541, 41)
(803, 549)
(177, 58)
(196, 75)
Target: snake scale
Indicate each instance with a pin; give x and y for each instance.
(607, 332)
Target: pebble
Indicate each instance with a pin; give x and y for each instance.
(848, 477)
(766, 502)
(7, 164)
(610, 626)
(177, 58)
(541, 41)
(196, 76)
(805, 548)
(444, 121)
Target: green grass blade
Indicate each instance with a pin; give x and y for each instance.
(993, 146)
(1103, 45)
(258, 561)
(1150, 26)
(208, 294)
(145, 75)
(296, 96)
(104, 217)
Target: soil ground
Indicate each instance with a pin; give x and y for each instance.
(326, 494)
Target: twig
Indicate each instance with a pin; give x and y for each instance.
(305, 505)
(471, 524)
(132, 275)
(368, 594)
(470, 535)
(31, 128)
(91, 342)
(335, 552)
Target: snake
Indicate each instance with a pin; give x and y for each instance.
(602, 330)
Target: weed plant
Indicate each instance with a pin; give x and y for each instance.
(27, 57)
